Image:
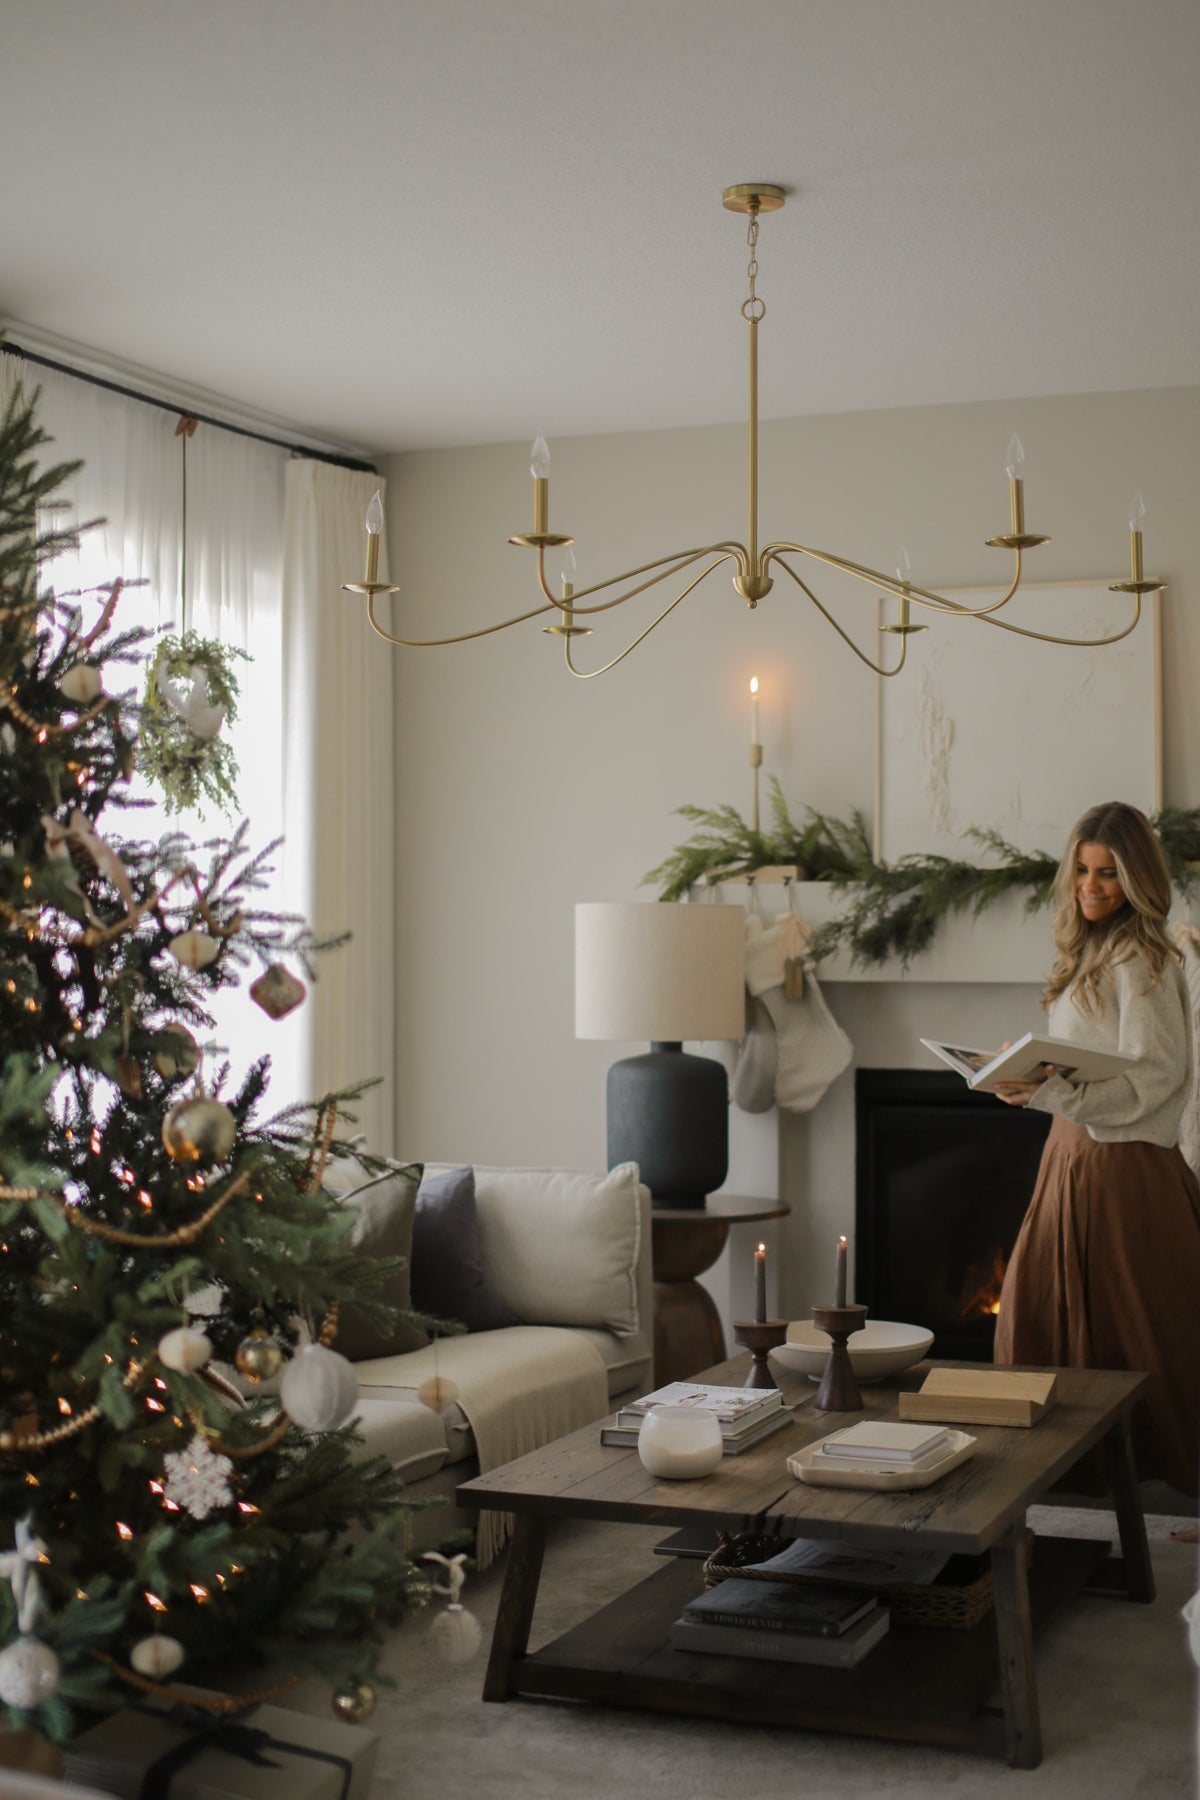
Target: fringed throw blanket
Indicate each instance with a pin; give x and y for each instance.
(519, 1389)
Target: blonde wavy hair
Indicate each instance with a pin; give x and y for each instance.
(1138, 929)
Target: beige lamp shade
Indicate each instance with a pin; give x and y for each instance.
(662, 972)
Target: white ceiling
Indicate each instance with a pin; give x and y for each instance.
(417, 223)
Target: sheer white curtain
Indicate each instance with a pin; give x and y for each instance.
(338, 786)
(306, 758)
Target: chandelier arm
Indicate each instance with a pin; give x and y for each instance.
(1046, 637)
(828, 616)
(463, 636)
(589, 674)
(922, 596)
(678, 560)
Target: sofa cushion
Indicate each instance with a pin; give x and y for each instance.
(448, 1279)
(411, 1437)
(562, 1247)
(385, 1211)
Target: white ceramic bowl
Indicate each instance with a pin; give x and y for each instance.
(880, 1349)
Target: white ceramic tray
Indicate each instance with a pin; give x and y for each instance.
(813, 1466)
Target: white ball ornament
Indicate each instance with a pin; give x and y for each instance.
(194, 949)
(156, 1657)
(455, 1635)
(28, 1674)
(81, 684)
(319, 1388)
(185, 1350)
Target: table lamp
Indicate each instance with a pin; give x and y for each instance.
(670, 973)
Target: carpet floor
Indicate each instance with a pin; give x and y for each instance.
(1116, 1684)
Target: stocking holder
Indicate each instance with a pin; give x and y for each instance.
(839, 1390)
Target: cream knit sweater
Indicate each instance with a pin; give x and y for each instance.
(1151, 1020)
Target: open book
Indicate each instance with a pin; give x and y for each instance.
(983, 1069)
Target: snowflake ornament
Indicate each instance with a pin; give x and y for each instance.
(198, 1479)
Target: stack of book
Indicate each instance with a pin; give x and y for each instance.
(782, 1622)
(885, 1446)
(745, 1415)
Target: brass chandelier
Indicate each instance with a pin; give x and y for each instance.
(753, 565)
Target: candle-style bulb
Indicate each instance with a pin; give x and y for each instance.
(903, 566)
(567, 570)
(754, 684)
(1137, 513)
(375, 514)
(539, 459)
(1015, 464)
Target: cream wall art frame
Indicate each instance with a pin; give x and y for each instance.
(985, 728)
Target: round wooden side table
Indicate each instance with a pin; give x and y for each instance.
(687, 1240)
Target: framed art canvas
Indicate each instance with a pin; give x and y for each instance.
(985, 728)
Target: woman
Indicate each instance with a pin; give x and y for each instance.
(1106, 1271)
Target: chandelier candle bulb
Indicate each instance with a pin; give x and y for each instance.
(760, 1285)
(374, 529)
(1137, 513)
(840, 1283)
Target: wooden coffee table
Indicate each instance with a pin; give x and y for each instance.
(920, 1684)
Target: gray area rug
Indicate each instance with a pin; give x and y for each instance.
(1117, 1687)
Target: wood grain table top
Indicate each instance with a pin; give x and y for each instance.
(966, 1511)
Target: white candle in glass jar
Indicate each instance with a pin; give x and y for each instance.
(680, 1443)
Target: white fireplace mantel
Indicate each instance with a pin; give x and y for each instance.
(1005, 943)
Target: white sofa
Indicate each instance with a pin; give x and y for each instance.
(564, 1251)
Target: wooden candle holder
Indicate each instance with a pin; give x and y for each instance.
(839, 1390)
(760, 1336)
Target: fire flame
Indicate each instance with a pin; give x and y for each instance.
(982, 1286)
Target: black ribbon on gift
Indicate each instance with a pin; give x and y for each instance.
(215, 1731)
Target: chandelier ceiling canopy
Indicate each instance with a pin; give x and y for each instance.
(754, 566)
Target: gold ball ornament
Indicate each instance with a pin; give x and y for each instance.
(199, 1130)
(178, 1053)
(258, 1357)
(354, 1702)
(438, 1393)
(156, 1657)
(185, 1350)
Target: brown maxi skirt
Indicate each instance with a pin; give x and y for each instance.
(1105, 1274)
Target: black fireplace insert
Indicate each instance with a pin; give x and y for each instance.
(943, 1179)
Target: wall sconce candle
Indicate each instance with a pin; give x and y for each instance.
(374, 528)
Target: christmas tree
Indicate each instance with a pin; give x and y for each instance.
(155, 1522)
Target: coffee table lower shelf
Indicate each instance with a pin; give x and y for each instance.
(919, 1684)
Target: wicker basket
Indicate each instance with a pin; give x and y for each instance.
(962, 1595)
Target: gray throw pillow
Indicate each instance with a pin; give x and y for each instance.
(447, 1261)
(385, 1210)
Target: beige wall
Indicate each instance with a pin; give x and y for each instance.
(522, 791)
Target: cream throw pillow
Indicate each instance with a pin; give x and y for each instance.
(561, 1247)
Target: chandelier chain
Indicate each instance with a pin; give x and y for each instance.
(753, 309)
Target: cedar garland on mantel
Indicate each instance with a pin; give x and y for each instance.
(893, 909)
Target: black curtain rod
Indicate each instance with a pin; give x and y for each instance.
(172, 406)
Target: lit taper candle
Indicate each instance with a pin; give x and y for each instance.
(754, 709)
(840, 1284)
(760, 1285)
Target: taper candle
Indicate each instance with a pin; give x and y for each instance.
(754, 709)
(840, 1285)
(760, 1285)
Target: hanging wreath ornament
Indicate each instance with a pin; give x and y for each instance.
(190, 692)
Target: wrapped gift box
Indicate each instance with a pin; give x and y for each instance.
(159, 1752)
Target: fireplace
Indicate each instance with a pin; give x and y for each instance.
(943, 1178)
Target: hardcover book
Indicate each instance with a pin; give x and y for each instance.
(625, 1437)
(884, 1440)
(983, 1069)
(732, 1405)
(843, 1652)
(777, 1606)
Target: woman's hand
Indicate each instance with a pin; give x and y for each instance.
(1020, 1093)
